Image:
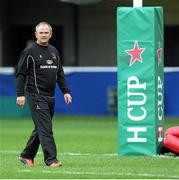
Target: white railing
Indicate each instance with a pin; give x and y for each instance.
(71, 69)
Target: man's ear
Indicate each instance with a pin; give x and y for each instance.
(51, 34)
(35, 34)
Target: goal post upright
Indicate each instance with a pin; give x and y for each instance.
(140, 62)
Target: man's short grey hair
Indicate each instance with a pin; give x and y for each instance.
(43, 23)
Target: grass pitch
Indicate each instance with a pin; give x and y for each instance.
(87, 147)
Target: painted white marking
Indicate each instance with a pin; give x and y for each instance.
(93, 173)
(97, 173)
(65, 153)
(86, 154)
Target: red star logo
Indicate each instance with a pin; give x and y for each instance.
(135, 53)
(159, 54)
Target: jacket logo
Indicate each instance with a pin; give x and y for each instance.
(38, 107)
(49, 61)
(53, 55)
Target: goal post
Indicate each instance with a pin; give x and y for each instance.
(140, 80)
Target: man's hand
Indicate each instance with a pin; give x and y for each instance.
(67, 98)
(20, 101)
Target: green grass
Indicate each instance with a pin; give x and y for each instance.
(87, 147)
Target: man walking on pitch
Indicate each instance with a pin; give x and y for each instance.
(38, 70)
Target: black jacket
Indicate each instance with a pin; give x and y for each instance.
(38, 70)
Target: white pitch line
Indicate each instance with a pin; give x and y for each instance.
(99, 173)
(87, 154)
(93, 173)
(66, 153)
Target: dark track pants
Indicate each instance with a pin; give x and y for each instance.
(42, 110)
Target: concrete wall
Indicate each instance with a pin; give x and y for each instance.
(29, 13)
(89, 32)
(97, 40)
(0, 35)
(171, 10)
(97, 29)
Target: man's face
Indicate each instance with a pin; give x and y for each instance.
(43, 34)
